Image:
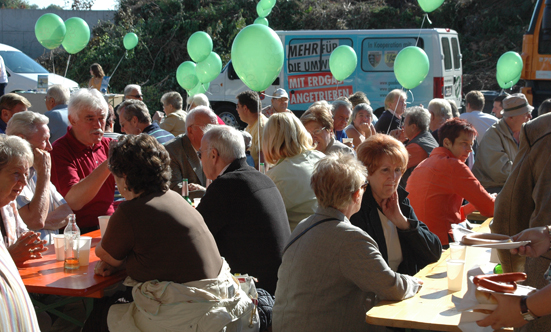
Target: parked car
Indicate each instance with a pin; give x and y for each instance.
(23, 71)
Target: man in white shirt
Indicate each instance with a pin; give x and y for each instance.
(474, 115)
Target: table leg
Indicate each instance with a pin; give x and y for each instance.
(51, 308)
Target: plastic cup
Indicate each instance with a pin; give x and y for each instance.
(103, 221)
(59, 245)
(85, 242)
(455, 274)
(457, 251)
(196, 201)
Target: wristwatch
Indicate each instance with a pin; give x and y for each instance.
(525, 312)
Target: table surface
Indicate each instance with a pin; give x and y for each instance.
(433, 307)
(47, 275)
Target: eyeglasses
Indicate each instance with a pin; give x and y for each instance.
(318, 131)
(364, 186)
(199, 154)
(136, 96)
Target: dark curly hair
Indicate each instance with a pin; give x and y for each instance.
(143, 161)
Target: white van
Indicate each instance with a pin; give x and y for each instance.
(23, 71)
(307, 78)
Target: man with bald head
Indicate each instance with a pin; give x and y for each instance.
(184, 162)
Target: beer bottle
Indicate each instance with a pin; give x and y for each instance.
(185, 192)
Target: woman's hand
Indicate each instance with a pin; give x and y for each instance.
(391, 209)
(507, 313)
(158, 116)
(28, 246)
(104, 269)
(195, 187)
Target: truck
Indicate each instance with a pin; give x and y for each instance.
(307, 78)
(536, 55)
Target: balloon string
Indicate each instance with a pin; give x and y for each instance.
(113, 73)
(53, 62)
(426, 16)
(259, 112)
(66, 68)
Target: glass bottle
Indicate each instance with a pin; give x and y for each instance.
(262, 168)
(72, 237)
(185, 191)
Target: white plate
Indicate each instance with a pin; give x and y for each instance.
(506, 245)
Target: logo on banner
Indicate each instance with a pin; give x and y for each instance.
(390, 56)
(374, 58)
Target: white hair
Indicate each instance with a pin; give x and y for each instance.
(60, 94)
(441, 108)
(419, 117)
(190, 119)
(227, 140)
(25, 123)
(87, 99)
(131, 87)
(338, 104)
(199, 99)
(15, 149)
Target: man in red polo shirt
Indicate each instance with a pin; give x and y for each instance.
(79, 160)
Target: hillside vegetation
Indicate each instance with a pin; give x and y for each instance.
(487, 29)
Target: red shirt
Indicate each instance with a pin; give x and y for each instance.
(437, 188)
(72, 161)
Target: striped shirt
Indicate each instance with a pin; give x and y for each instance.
(161, 135)
(16, 309)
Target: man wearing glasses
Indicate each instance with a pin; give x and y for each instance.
(184, 162)
(131, 91)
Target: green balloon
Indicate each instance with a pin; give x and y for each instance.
(209, 69)
(430, 5)
(50, 30)
(262, 12)
(411, 66)
(130, 40)
(504, 84)
(199, 88)
(509, 66)
(77, 36)
(199, 46)
(186, 76)
(342, 62)
(267, 4)
(261, 20)
(257, 56)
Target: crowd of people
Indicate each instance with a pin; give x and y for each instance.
(330, 212)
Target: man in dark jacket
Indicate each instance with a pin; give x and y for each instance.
(242, 208)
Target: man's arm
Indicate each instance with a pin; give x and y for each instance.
(34, 214)
(58, 218)
(83, 192)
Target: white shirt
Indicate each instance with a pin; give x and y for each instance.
(393, 247)
(481, 122)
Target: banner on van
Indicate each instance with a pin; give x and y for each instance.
(312, 95)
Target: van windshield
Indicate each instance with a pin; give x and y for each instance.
(19, 62)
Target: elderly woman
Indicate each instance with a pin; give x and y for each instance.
(168, 250)
(405, 243)
(319, 123)
(16, 157)
(175, 120)
(288, 147)
(439, 185)
(420, 141)
(330, 267)
(360, 127)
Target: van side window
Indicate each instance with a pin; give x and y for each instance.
(456, 55)
(378, 54)
(447, 53)
(232, 75)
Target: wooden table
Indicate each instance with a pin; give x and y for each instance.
(47, 276)
(433, 308)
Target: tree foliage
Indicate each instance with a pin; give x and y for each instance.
(16, 4)
(487, 29)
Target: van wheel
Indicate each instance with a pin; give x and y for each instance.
(230, 117)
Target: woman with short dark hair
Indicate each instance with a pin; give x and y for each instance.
(166, 246)
(439, 184)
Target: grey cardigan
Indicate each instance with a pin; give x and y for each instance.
(326, 276)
